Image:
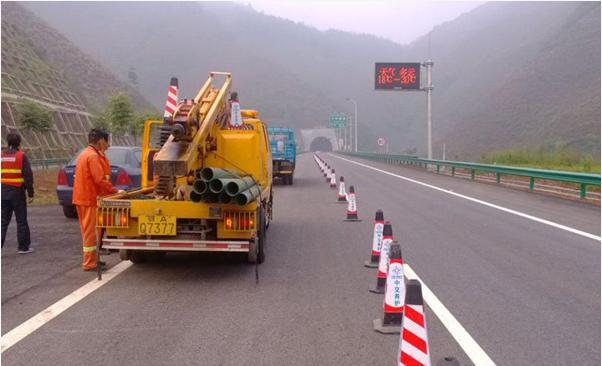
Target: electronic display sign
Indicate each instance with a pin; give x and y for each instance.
(397, 76)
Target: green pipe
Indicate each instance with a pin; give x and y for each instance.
(247, 196)
(195, 197)
(208, 174)
(199, 186)
(235, 186)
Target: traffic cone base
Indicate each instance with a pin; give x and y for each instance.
(394, 328)
(380, 286)
(371, 264)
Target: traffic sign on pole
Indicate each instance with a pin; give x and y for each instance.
(381, 141)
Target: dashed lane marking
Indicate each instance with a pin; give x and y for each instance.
(17, 334)
(484, 203)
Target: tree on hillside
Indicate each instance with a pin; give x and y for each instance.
(120, 113)
(138, 125)
(34, 116)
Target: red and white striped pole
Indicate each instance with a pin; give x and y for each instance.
(342, 198)
(333, 180)
(351, 206)
(377, 240)
(172, 99)
(413, 342)
(395, 292)
(383, 261)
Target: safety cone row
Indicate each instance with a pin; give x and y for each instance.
(333, 180)
(383, 262)
(395, 291)
(377, 239)
(342, 196)
(413, 341)
(351, 206)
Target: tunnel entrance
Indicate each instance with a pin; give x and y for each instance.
(321, 144)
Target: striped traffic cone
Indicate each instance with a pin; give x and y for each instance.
(413, 342)
(351, 206)
(326, 170)
(377, 240)
(342, 194)
(383, 261)
(395, 292)
(333, 180)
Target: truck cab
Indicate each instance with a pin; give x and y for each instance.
(284, 153)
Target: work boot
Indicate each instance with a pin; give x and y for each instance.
(26, 251)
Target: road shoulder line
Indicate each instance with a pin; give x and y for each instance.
(484, 203)
(32, 324)
(472, 349)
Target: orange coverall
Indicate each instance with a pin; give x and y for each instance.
(92, 179)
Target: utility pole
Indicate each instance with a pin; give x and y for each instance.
(429, 94)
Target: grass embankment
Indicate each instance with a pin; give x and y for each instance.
(44, 185)
(563, 159)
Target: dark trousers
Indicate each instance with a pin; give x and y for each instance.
(16, 203)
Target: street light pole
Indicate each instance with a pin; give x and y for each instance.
(355, 132)
(429, 92)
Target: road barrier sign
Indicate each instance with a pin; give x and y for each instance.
(351, 206)
(395, 292)
(383, 261)
(377, 240)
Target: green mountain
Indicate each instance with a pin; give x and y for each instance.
(506, 75)
(40, 65)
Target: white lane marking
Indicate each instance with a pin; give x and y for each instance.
(472, 349)
(31, 325)
(485, 203)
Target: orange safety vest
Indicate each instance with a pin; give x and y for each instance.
(12, 168)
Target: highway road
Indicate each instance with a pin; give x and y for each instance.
(519, 272)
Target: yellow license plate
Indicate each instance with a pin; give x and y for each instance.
(157, 225)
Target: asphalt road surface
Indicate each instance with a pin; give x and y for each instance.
(527, 292)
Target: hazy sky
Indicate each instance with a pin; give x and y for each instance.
(400, 21)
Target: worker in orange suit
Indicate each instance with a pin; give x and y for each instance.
(92, 179)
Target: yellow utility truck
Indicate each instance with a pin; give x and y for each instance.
(206, 182)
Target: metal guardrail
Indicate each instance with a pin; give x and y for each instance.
(45, 163)
(583, 179)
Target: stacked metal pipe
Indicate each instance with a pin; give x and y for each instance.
(214, 185)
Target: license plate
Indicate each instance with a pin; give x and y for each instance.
(157, 225)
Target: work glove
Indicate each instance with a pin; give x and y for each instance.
(120, 191)
(30, 200)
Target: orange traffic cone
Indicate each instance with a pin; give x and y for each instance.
(377, 240)
(395, 292)
(351, 206)
(383, 261)
(342, 198)
(413, 342)
(333, 180)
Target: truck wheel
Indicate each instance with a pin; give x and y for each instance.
(256, 253)
(290, 180)
(137, 256)
(124, 255)
(70, 211)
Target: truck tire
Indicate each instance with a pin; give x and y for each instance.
(290, 180)
(70, 211)
(137, 256)
(256, 253)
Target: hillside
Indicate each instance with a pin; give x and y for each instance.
(496, 74)
(41, 65)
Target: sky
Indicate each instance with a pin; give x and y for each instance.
(399, 21)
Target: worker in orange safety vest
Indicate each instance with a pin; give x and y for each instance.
(17, 178)
(92, 179)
